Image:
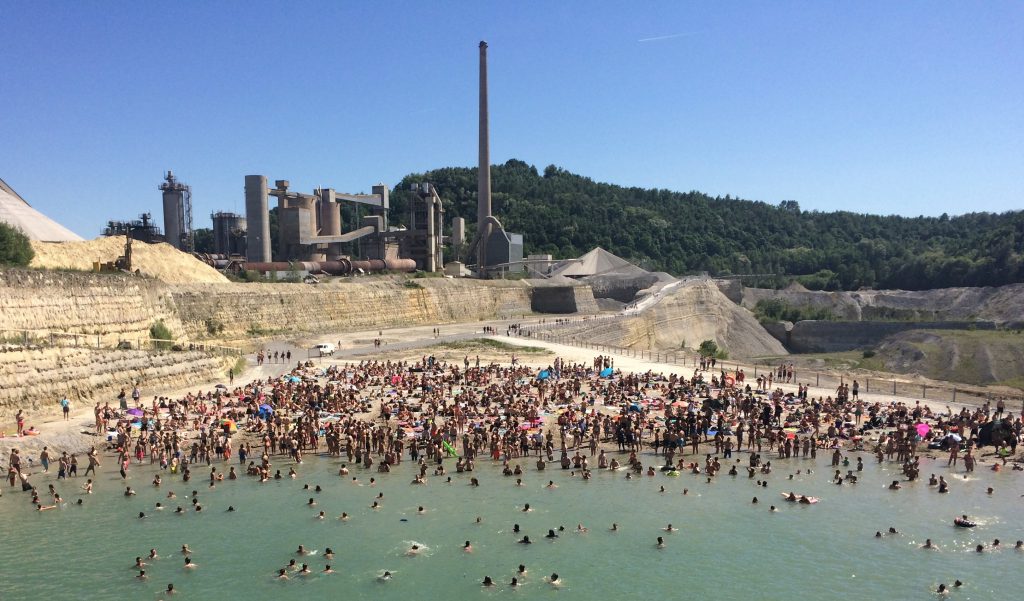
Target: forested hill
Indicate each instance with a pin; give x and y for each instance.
(566, 215)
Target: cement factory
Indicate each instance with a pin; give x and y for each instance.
(311, 237)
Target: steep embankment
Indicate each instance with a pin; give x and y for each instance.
(102, 308)
(969, 356)
(1003, 305)
(236, 311)
(687, 316)
(35, 379)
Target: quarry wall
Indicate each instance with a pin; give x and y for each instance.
(1003, 305)
(563, 299)
(104, 307)
(237, 311)
(35, 379)
(811, 336)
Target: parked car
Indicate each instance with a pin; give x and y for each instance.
(325, 348)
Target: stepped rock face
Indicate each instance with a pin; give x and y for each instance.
(337, 307)
(76, 310)
(1003, 305)
(35, 379)
(103, 308)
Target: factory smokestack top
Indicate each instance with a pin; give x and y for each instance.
(484, 170)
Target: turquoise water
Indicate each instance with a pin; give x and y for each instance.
(726, 547)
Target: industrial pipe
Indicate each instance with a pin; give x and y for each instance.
(339, 267)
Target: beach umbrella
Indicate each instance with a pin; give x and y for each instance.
(544, 375)
(221, 386)
(956, 437)
(266, 408)
(135, 412)
(606, 372)
(923, 430)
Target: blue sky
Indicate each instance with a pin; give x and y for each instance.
(909, 107)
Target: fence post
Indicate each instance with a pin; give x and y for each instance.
(867, 385)
(954, 394)
(894, 386)
(817, 379)
(924, 391)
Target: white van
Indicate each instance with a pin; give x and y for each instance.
(325, 348)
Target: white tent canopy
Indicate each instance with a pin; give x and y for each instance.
(14, 210)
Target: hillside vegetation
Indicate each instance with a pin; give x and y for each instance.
(565, 214)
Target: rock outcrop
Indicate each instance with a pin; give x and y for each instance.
(35, 379)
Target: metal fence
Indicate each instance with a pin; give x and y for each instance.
(873, 385)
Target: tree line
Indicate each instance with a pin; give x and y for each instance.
(565, 215)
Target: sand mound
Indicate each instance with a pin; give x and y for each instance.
(161, 261)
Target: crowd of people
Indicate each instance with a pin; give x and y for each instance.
(375, 414)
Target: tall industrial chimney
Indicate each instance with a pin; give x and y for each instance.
(483, 185)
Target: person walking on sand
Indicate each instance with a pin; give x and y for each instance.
(65, 406)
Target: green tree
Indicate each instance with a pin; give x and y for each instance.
(15, 247)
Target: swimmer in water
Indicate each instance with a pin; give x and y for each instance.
(554, 580)
(514, 582)
(189, 564)
(661, 543)
(420, 510)
(525, 541)
(754, 501)
(669, 528)
(893, 530)
(185, 550)
(927, 544)
(329, 553)
(487, 581)
(413, 550)
(521, 571)
(468, 548)
(551, 534)
(526, 508)
(142, 575)
(320, 516)
(305, 569)
(551, 484)
(385, 576)
(153, 555)
(343, 517)
(581, 528)
(772, 508)
(282, 574)
(327, 569)
(614, 528)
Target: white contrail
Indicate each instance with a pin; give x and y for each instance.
(667, 37)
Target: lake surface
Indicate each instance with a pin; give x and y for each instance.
(726, 547)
